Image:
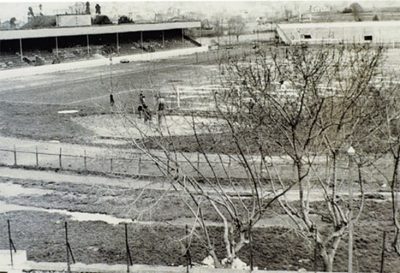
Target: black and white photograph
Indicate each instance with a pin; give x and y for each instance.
(198, 136)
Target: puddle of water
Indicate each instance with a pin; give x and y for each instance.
(11, 190)
(68, 111)
(77, 216)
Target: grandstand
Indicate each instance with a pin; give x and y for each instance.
(376, 32)
(62, 44)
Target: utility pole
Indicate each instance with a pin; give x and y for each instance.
(111, 84)
(350, 152)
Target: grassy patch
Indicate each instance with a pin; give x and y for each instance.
(39, 122)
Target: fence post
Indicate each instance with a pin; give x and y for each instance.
(37, 157)
(70, 255)
(128, 252)
(59, 158)
(15, 156)
(12, 246)
(198, 160)
(178, 97)
(188, 256)
(139, 164)
(111, 165)
(84, 160)
(383, 252)
(251, 246)
(66, 245)
(315, 250)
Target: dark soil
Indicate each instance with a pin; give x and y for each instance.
(41, 234)
(275, 248)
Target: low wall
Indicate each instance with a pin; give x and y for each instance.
(37, 70)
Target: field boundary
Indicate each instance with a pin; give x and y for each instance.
(136, 164)
(30, 71)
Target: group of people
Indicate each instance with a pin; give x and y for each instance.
(144, 110)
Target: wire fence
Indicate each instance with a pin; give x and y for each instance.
(195, 164)
(68, 243)
(132, 163)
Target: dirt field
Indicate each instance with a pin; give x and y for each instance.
(29, 109)
(156, 238)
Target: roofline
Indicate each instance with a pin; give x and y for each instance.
(92, 30)
(340, 24)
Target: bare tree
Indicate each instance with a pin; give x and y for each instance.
(304, 106)
(30, 12)
(388, 137)
(87, 7)
(217, 22)
(12, 22)
(227, 184)
(306, 103)
(236, 26)
(356, 10)
(40, 10)
(98, 9)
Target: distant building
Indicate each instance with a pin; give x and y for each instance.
(53, 39)
(73, 20)
(5, 25)
(377, 32)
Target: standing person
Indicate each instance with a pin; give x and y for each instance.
(160, 110)
(111, 100)
(251, 105)
(142, 102)
(147, 113)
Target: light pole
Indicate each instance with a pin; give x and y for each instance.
(111, 84)
(350, 152)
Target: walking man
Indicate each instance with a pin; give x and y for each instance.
(160, 110)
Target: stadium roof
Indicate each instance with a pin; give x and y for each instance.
(340, 24)
(92, 30)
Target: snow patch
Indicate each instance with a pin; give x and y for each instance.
(68, 111)
(208, 262)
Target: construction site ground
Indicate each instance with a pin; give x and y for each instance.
(37, 202)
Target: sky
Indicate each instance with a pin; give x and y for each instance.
(19, 9)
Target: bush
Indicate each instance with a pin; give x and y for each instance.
(347, 10)
(102, 20)
(124, 20)
(41, 22)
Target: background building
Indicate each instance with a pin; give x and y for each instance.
(377, 32)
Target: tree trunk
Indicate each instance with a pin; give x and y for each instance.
(394, 188)
(217, 263)
(328, 262)
(396, 241)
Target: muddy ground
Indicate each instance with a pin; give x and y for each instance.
(276, 247)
